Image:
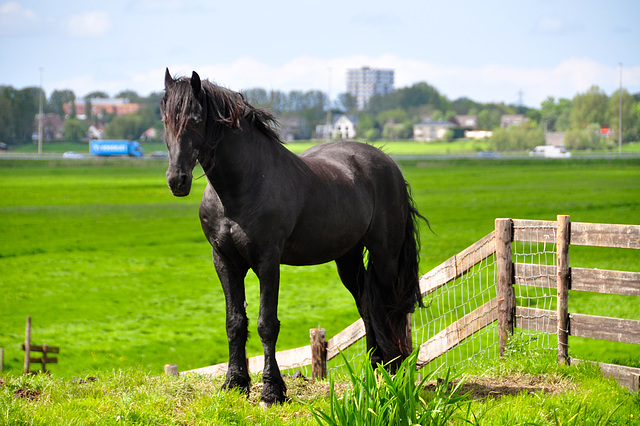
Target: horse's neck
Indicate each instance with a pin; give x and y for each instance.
(242, 158)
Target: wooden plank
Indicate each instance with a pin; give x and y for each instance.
(287, 359)
(535, 275)
(628, 377)
(605, 281)
(458, 265)
(605, 328)
(534, 231)
(605, 235)
(438, 276)
(474, 254)
(38, 348)
(580, 325)
(345, 338)
(582, 279)
(40, 360)
(534, 319)
(212, 370)
(458, 331)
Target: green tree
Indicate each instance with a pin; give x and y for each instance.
(516, 138)
(129, 127)
(586, 139)
(628, 115)
(409, 98)
(347, 102)
(489, 118)
(366, 123)
(97, 94)
(131, 95)
(58, 98)
(396, 131)
(6, 119)
(590, 107)
(75, 129)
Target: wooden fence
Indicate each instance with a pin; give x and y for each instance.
(502, 308)
(29, 348)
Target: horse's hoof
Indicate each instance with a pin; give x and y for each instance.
(241, 387)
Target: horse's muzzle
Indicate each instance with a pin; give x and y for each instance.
(179, 182)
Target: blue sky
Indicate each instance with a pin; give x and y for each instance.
(486, 50)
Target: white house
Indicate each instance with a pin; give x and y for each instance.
(345, 126)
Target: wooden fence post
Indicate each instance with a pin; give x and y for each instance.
(318, 338)
(171, 369)
(504, 290)
(27, 347)
(563, 236)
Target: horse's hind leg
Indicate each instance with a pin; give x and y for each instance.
(352, 274)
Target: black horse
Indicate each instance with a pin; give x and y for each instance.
(265, 206)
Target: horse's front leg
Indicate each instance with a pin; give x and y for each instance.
(268, 328)
(232, 280)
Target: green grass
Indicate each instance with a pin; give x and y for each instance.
(521, 389)
(117, 273)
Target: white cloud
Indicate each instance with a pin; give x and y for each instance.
(89, 24)
(16, 19)
(482, 83)
(549, 25)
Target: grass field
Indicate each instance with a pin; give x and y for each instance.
(116, 271)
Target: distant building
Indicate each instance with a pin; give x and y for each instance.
(363, 83)
(100, 107)
(343, 126)
(555, 138)
(468, 122)
(291, 128)
(431, 130)
(52, 127)
(508, 120)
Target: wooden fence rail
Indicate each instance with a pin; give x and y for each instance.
(502, 309)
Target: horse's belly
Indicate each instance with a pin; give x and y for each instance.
(322, 247)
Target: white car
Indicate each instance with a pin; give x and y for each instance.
(72, 154)
(550, 151)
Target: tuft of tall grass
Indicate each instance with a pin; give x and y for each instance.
(377, 397)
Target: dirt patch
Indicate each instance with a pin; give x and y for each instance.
(30, 394)
(488, 387)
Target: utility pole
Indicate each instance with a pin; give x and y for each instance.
(40, 116)
(620, 120)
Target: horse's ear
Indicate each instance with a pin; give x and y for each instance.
(168, 80)
(196, 85)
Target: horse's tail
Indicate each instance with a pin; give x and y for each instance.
(404, 294)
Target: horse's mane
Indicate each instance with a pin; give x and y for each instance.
(223, 108)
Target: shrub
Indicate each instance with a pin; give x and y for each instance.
(378, 398)
(516, 138)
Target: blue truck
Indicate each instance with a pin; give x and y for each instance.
(116, 148)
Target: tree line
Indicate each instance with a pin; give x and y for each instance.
(390, 117)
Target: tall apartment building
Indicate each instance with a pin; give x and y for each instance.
(365, 82)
